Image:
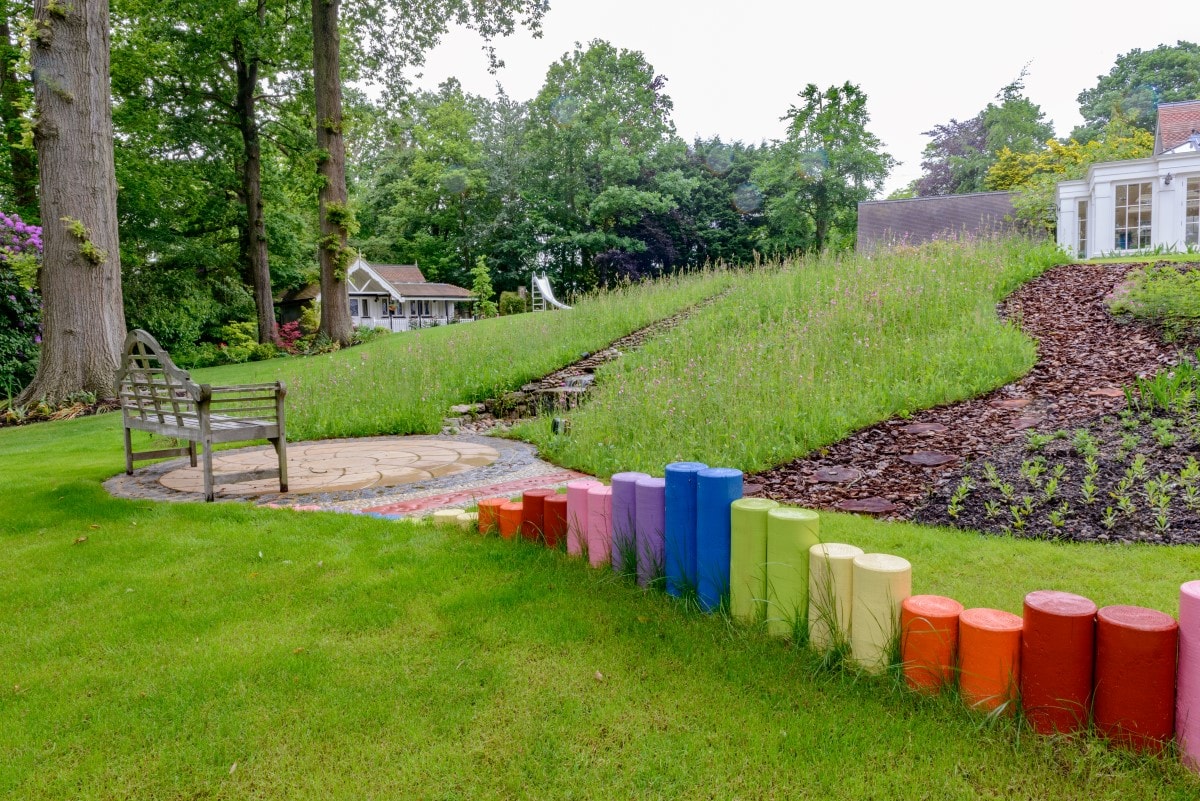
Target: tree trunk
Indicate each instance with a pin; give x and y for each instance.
(335, 254)
(83, 319)
(256, 229)
(21, 163)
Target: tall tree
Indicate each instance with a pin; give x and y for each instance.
(190, 78)
(15, 95)
(83, 320)
(595, 126)
(396, 37)
(959, 155)
(1136, 84)
(826, 166)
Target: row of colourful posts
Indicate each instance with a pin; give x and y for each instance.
(1132, 672)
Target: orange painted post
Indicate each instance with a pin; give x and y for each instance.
(489, 514)
(534, 526)
(929, 640)
(1057, 659)
(555, 513)
(989, 658)
(1135, 676)
(510, 519)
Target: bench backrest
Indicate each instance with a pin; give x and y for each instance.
(152, 388)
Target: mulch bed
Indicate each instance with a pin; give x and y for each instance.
(1085, 356)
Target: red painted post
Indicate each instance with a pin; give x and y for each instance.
(1135, 676)
(1057, 659)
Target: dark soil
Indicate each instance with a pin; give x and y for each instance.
(1085, 356)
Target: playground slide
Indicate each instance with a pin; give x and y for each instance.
(543, 286)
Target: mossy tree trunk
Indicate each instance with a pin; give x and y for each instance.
(335, 253)
(83, 317)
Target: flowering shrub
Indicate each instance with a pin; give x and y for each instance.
(20, 333)
(20, 248)
(289, 335)
(20, 307)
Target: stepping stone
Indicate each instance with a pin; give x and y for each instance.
(870, 506)
(1107, 392)
(750, 489)
(1010, 403)
(1022, 423)
(928, 458)
(835, 475)
(924, 428)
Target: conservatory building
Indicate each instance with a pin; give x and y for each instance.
(1139, 204)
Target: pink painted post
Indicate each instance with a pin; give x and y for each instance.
(1187, 696)
(577, 514)
(599, 536)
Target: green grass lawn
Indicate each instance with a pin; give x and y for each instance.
(331, 656)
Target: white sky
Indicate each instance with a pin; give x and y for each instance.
(734, 68)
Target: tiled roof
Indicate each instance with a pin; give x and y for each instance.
(920, 219)
(426, 290)
(1176, 122)
(399, 273)
(300, 294)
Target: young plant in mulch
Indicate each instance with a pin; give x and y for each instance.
(1129, 477)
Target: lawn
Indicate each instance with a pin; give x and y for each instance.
(223, 651)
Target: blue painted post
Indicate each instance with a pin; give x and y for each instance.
(716, 489)
(680, 537)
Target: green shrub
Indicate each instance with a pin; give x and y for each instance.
(1166, 296)
(512, 303)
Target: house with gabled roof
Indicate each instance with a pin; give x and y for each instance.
(392, 296)
(1138, 204)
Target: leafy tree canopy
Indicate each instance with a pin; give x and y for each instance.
(1136, 84)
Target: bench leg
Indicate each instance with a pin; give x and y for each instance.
(208, 471)
(281, 451)
(192, 452)
(128, 452)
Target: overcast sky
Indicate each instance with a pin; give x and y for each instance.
(734, 68)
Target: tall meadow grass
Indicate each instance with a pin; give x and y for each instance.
(405, 383)
(801, 354)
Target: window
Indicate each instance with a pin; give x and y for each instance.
(1082, 231)
(1132, 216)
(1191, 217)
(393, 308)
(354, 307)
(420, 308)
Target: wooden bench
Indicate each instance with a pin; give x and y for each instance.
(158, 397)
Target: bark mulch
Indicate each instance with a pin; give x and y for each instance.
(1085, 356)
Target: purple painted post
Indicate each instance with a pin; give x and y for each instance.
(651, 522)
(624, 521)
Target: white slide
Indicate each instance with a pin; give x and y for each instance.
(541, 286)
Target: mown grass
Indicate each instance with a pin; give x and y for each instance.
(329, 656)
(404, 384)
(223, 651)
(801, 355)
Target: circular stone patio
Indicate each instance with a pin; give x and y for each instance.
(402, 475)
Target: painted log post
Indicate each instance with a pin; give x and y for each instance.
(489, 515)
(624, 521)
(577, 514)
(510, 519)
(599, 533)
(716, 489)
(1136, 650)
(881, 584)
(748, 558)
(533, 526)
(989, 659)
(831, 594)
(1187, 698)
(929, 641)
(447, 516)
(1057, 660)
(791, 533)
(555, 513)
(651, 524)
(679, 547)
